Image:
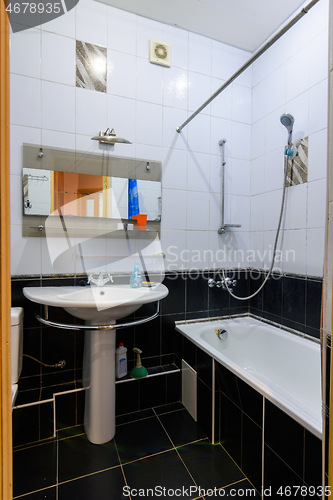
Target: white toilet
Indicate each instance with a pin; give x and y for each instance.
(16, 321)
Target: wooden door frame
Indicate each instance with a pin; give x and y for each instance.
(5, 284)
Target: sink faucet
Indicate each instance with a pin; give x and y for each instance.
(100, 281)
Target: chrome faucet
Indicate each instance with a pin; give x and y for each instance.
(222, 284)
(100, 281)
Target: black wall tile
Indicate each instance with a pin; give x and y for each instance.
(25, 425)
(127, 397)
(196, 293)
(152, 392)
(175, 301)
(252, 451)
(272, 295)
(147, 338)
(293, 299)
(226, 381)
(313, 303)
(251, 402)
(66, 410)
(277, 474)
(231, 429)
(256, 279)
(312, 459)
(46, 420)
(173, 387)
(204, 367)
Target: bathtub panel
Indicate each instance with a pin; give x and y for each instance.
(251, 451)
(312, 459)
(285, 437)
(277, 473)
(251, 402)
(231, 429)
(226, 382)
(204, 408)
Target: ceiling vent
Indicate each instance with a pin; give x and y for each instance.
(159, 52)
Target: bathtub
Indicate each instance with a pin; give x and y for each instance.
(284, 368)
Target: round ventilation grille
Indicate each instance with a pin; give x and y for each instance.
(160, 51)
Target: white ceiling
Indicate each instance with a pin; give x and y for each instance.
(242, 23)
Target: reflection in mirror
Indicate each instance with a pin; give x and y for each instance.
(46, 192)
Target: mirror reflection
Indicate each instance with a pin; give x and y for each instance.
(47, 191)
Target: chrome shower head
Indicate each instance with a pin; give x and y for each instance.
(288, 121)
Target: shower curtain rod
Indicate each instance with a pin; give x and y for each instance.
(255, 56)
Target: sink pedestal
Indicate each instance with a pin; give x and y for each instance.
(99, 384)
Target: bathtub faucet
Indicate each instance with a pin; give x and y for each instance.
(222, 284)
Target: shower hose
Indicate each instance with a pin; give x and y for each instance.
(275, 244)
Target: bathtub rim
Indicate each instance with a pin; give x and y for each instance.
(282, 403)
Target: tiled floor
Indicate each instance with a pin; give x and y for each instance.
(157, 448)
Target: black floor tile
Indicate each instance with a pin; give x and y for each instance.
(169, 408)
(242, 489)
(181, 427)
(104, 485)
(164, 470)
(70, 432)
(79, 457)
(47, 494)
(34, 468)
(210, 466)
(132, 417)
(142, 438)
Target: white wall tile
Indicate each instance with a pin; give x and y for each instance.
(58, 114)
(256, 249)
(121, 115)
(240, 57)
(58, 139)
(257, 213)
(174, 218)
(319, 18)
(221, 129)
(215, 174)
(241, 104)
(317, 155)
(276, 55)
(58, 58)
(175, 88)
(179, 45)
(25, 253)
(238, 246)
(25, 52)
(197, 210)
(63, 25)
(221, 106)
(199, 90)
(198, 255)
(240, 177)
(148, 123)
(92, 22)
(121, 74)
(25, 106)
(319, 58)
(298, 80)
(275, 136)
(318, 107)
(198, 172)
(215, 211)
(315, 250)
(174, 169)
(316, 203)
(222, 60)
(121, 30)
(259, 69)
(200, 54)
(259, 101)
(274, 170)
(295, 207)
(173, 244)
(258, 175)
(199, 135)
(294, 251)
(149, 81)
(275, 89)
(19, 136)
(258, 138)
(241, 141)
(147, 29)
(93, 105)
(240, 212)
(272, 209)
(219, 246)
(16, 199)
(173, 118)
(299, 108)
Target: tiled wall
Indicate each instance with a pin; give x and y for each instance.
(291, 77)
(144, 103)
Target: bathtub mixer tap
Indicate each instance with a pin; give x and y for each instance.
(228, 282)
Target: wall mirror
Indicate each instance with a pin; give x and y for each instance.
(101, 185)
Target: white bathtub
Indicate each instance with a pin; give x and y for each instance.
(283, 367)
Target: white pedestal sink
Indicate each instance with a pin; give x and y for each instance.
(97, 306)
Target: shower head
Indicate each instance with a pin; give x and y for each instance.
(288, 121)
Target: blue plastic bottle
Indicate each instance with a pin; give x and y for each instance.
(136, 278)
